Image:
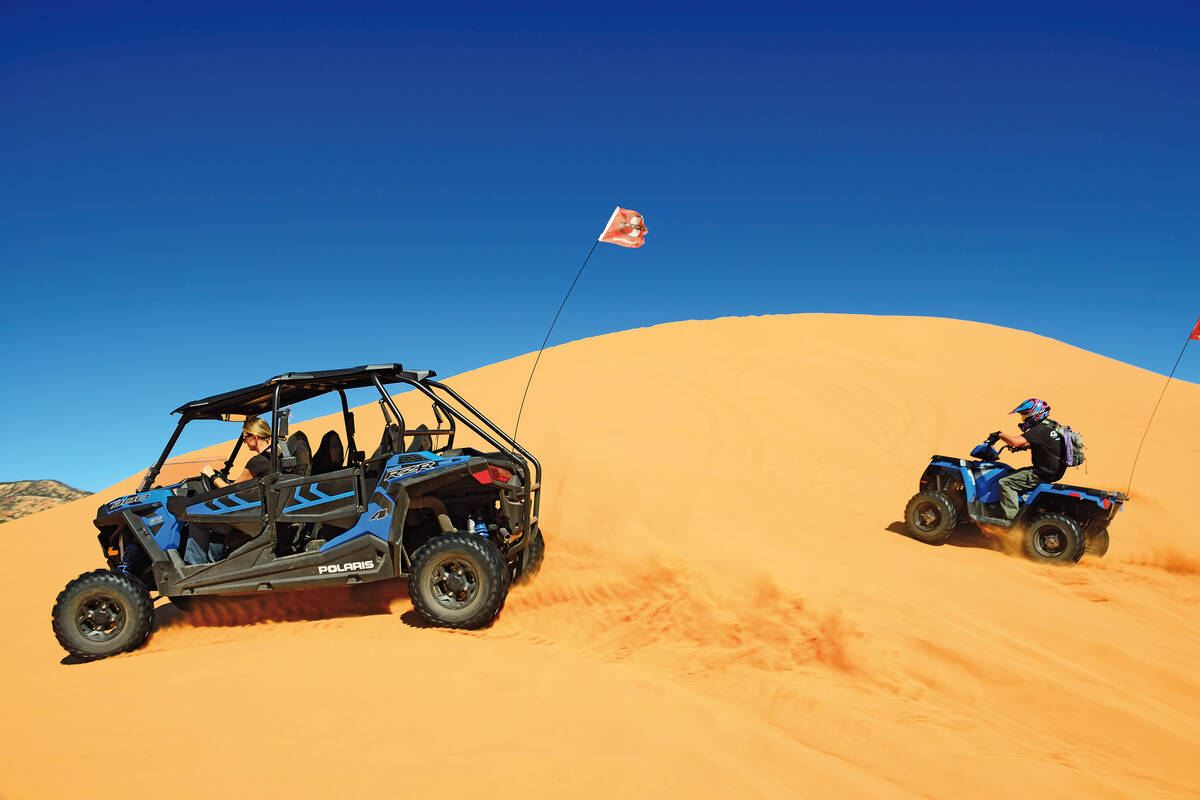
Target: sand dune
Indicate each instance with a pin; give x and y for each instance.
(726, 608)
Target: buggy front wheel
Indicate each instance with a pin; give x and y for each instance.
(102, 613)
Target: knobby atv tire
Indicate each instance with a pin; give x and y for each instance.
(1054, 539)
(458, 580)
(533, 556)
(102, 613)
(930, 517)
(1097, 543)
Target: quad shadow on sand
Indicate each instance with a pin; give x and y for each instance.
(966, 535)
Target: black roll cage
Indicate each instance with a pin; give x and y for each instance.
(294, 387)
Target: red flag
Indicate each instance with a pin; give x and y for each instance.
(626, 228)
(1196, 331)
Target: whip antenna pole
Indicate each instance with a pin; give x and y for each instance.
(1129, 485)
(543, 347)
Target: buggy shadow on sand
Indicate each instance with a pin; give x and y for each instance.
(1057, 522)
(460, 524)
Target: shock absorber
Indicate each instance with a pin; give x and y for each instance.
(132, 556)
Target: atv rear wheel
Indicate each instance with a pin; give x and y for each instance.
(102, 613)
(1054, 538)
(1097, 542)
(458, 580)
(930, 517)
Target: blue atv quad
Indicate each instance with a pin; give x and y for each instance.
(1057, 521)
(460, 524)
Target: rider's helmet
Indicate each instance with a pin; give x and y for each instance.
(1032, 412)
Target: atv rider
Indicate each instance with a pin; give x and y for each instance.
(1042, 436)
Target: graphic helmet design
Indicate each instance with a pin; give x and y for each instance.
(1032, 412)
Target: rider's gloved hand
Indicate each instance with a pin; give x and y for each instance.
(993, 437)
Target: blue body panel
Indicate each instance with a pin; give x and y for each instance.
(377, 519)
(981, 481)
(228, 504)
(163, 525)
(319, 498)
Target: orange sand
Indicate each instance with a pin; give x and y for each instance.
(726, 608)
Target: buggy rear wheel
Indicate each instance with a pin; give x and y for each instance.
(102, 613)
(930, 517)
(532, 558)
(458, 580)
(1053, 538)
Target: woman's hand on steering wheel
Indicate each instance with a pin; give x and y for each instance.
(207, 474)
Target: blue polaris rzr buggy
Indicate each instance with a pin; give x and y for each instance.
(460, 523)
(1057, 522)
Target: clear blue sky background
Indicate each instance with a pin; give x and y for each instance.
(194, 198)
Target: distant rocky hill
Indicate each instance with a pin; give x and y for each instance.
(22, 498)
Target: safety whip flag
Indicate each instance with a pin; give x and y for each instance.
(1195, 336)
(626, 228)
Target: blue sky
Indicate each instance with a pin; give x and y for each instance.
(195, 199)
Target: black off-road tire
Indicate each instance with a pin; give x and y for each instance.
(458, 580)
(1097, 542)
(532, 558)
(102, 613)
(930, 517)
(1054, 539)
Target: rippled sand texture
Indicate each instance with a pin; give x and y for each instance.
(727, 608)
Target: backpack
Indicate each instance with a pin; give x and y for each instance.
(1073, 444)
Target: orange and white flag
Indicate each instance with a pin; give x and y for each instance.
(1195, 331)
(626, 228)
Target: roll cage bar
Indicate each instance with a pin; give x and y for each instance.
(283, 390)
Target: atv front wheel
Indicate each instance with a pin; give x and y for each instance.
(458, 581)
(102, 613)
(1054, 538)
(930, 517)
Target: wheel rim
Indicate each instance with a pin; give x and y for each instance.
(100, 617)
(1049, 541)
(928, 516)
(454, 583)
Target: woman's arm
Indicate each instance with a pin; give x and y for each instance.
(210, 470)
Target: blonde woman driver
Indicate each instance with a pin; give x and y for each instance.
(208, 543)
(256, 435)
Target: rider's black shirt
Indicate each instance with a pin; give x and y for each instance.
(259, 465)
(1046, 447)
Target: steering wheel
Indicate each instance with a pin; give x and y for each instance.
(206, 482)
